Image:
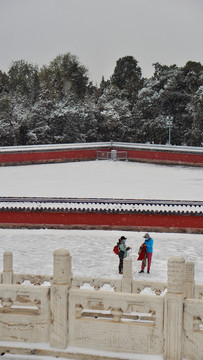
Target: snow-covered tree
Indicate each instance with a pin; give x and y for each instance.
(64, 75)
(6, 129)
(168, 93)
(194, 135)
(57, 103)
(24, 80)
(114, 115)
(127, 76)
(4, 83)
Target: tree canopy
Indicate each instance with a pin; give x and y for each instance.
(59, 104)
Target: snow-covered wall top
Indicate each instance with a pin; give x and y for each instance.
(110, 144)
(168, 154)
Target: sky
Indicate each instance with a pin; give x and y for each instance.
(99, 32)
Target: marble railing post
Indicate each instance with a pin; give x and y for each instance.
(189, 280)
(7, 275)
(173, 323)
(60, 286)
(127, 275)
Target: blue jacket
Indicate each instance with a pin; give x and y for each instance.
(149, 244)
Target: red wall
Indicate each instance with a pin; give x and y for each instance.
(150, 155)
(166, 156)
(47, 156)
(102, 220)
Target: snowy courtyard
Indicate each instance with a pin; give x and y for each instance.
(91, 250)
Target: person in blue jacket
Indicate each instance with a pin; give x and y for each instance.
(149, 242)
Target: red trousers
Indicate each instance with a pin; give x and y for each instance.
(149, 260)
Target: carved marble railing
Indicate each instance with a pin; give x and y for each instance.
(128, 284)
(119, 314)
(8, 276)
(30, 279)
(124, 284)
(193, 329)
(96, 283)
(154, 287)
(27, 279)
(24, 313)
(138, 287)
(118, 322)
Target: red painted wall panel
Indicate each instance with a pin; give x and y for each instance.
(47, 156)
(123, 221)
(176, 157)
(100, 220)
(90, 154)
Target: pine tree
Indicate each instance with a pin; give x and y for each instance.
(127, 76)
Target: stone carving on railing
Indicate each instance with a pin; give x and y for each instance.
(96, 283)
(24, 313)
(157, 288)
(30, 279)
(193, 329)
(122, 308)
(95, 316)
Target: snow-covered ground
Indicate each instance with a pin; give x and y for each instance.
(128, 180)
(91, 250)
(92, 254)
(33, 249)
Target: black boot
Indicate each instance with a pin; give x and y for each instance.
(141, 271)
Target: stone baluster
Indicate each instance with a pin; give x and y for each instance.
(60, 286)
(117, 313)
(78, 311)
(7, 275)
(189, 280)
(174, 309)
(127, 275)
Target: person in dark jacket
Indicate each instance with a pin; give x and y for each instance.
(123, 249)
(149, 243)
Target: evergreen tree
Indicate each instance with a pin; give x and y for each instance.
(4, 83)
(127, 76)
(168, 93)
(58, 104)
(6, 128)
(24, 80)
(194, 135)
(115, 115)
(64, 75)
